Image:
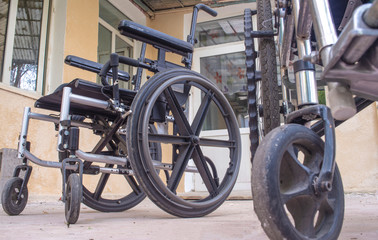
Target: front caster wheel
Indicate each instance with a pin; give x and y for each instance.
(73, 198)
(14, 201)
(285, 168)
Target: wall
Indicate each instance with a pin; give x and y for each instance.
(78, 38)
(357, 151)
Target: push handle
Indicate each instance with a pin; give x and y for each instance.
(207, 9)
(191, 38)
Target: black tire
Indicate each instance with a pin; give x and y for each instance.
(268, 62)
(183, 142)
(73, 198)
(9, 196)
(286, 164)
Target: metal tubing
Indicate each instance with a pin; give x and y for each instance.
(44, 163)
(24, 133)
(304, 21)
(287, 30)
(89, 101)
(48, 118)
(340, 96)
(64, 115)
(360, 45)
(90, 157)
(371, 15)
(305, 79)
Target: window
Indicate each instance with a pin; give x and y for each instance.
(220, 31)
(110, 40)
(24, 49)
(220, 53)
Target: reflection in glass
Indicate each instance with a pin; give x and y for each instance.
(26, 44)
(124, 49)
(220, 31)
(227, 71)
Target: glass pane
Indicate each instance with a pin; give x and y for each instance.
(26, 44)
(227, 71)
(220, 31)
(4, 8)
(124, 49)
(104, 46)
(111, 14)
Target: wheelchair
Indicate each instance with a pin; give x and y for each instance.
(150, 136)
(296, 184)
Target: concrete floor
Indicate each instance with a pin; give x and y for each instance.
(233, 220)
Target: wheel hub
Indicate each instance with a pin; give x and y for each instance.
(194, 139)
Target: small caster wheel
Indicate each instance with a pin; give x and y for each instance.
(73, 199)
(13, 205)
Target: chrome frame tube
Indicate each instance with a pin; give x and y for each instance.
(64, 116)
(24, 132)
(48, 118)
(89, 101)
(339, 96)
(67, 98)
(44, 163)
(90, 157)
(305, 79)
(304, 23)
(284, 89)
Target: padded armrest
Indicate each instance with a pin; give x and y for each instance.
(154, 37)
(93, 66)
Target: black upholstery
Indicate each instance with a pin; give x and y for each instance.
(87, 89)
(154, 37)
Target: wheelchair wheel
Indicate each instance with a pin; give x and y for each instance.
(73, 198)
(163, 101)
(285, 167)
(269, 84)
(9, 198)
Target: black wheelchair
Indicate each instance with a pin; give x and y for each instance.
(150, 136)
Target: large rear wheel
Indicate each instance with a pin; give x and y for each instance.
(187, 152)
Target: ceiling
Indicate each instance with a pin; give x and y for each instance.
(150, 7)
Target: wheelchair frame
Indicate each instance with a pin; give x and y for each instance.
(111, 109)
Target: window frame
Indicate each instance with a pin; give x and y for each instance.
(8, 50)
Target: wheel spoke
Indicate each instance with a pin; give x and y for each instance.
(294, 176)
(296, 164)
(217, 143)
(303, 211)
(199, 119)
(133, 184)
(184, 128)
(288, 195)
(327, 208)
(179, 167)
(204, 171)
(171, 139)
(102, 183)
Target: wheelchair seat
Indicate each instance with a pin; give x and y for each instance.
(87, 89)
(154, 37)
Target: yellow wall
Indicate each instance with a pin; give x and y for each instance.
(357, 151)
(81, 40)
(81, 36)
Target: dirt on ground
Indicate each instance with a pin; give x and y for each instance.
(235, 219)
